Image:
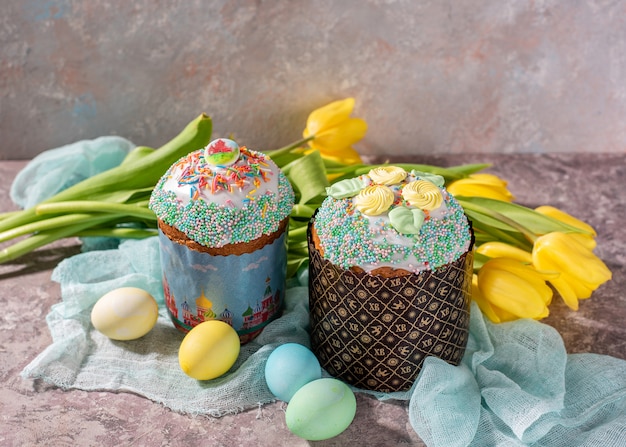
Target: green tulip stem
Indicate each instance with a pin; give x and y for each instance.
(521, 242)
(529, 235)
(479, 261)
(286, 149)
(8, 214)
(54, 223)
(122, 233)
(138, 209)
(51, 234)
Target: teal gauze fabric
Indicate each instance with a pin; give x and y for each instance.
(516, 386)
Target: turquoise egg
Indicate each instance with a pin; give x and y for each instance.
(288, 368)
(321, 409)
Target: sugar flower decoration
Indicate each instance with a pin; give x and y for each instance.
(387, 175)
(422, 194)
(374, 200)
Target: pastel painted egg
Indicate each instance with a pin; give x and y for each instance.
(221, 152)
(321, 409)
(288, 368)
(126, 313)
(209, 350)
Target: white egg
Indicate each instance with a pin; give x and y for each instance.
(126, 313)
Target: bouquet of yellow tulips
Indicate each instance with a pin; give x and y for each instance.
(522, 254)
(520, 251)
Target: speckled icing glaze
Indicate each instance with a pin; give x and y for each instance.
(349, 237)
(219, 205)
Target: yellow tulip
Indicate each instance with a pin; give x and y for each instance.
(586, 238)
(495, 249)
(581, 272)
(506, 289)
(481, 185)
(494, 313)
(333, 132)
(565, 218)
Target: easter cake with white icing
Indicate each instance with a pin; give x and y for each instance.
(391, 222)
(223, 213)
(223, 205)
(389, 277)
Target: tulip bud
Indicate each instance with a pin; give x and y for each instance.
(335, 132)
(589, 233)
(512, 289)
(581, 272)
(494, 313)
(481, 185)
(564, 217)
(496, 249)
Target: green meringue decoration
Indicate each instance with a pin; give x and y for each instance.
(406, 220)
(345, 188)
(433, 178)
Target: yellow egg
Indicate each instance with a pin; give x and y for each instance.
(209, 350)
(126, 313)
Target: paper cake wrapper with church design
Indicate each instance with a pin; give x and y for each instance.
(375, 332)
(245, 290)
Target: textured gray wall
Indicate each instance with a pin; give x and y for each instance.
(428, 75)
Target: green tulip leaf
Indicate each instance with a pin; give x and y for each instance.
(137, 153)
(337, 165)
(307, 176)
(485, 232)
(479, 260)
(467, 169)
(304, 211)
(286, 158)
(480, 219)
(294, 263)
(488, 211)
(297, 233)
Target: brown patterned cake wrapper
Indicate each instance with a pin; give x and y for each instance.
(374, 332)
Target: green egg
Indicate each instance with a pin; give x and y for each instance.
(321, 409)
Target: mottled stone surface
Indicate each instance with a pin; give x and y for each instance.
(429, 76)
(33, 413)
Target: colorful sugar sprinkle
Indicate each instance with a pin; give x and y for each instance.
(220, 222)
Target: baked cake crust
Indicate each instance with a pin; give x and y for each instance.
(238, 248)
